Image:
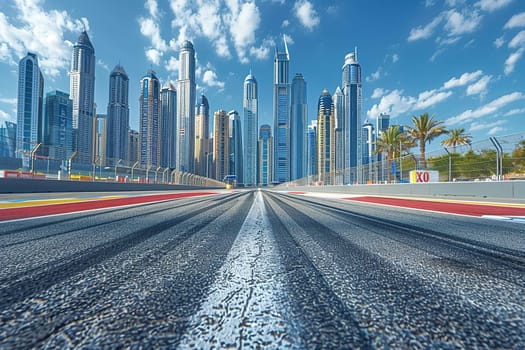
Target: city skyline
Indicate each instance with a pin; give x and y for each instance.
(462, 58)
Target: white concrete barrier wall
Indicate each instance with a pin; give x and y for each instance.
(495, 189)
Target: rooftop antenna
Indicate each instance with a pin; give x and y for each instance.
(355, 51)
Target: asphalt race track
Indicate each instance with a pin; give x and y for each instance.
(261, 269)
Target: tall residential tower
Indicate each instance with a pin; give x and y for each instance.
(250, 109)
(82, 92)
(186, 109)
(118, 116)
(298, 129)
(168, 129)
(149, 110)
(202, 138)
(29, 111)
(281, 111)
(352, 105)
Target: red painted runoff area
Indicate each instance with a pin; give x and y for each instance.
(462, 208)
(53, 209)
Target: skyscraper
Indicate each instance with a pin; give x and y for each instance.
(186, 108)
(383, 121)
(338, 99)
(264, 152)
(281, 110)
(326, 139)
(118, 116)
(8, 140)
(369, 139)
(149, 120)
(202, 141)
(101, 141)
(221, 145)
(134, 146)
(352, 92)
(298, 127)
(236, 158)
(168, 130)
(82, 92)
(312, 150)
(29, 111)
(250, 109)
(58, 125)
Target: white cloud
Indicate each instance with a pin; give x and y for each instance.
(103, 64)
(429, 3)
(395, 104)
(210, 78)
(5, 116)
(43, 32)
(150, 29)
(516, 21)
(429, 98)
(479, 87)
(154, 56)
(395, 58)
(374, 76)
(152, 7)
(464, 79)
(243, 28)
(518, 40)
(262, 52)
(285, 24)
(378, 92)
(492, 5)
(460, 23)
(499, 42)
(305, 12)
(10, 101)
(511, 61)
(289, 39)
(490, 108)
(495, 130)
(172, 65)
(515, 111)
(426, 31)
(477, 126)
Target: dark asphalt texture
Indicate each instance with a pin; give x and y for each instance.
(261, 269)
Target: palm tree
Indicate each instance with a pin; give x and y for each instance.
(456, 137)
(392, 141)
(425, 129)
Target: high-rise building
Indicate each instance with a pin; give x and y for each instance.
(352, 92)
(58, 125)
(281, 111)
(29, 111)
(264, 152)
(8, 140)
(221, 145)
(236, 158)
(250, 109)
(186, 108)
(383, 121)
(369, 139)
(101, 142)
(168, 130)
(82, 92)
(149, 101)
(202, 138)
(326, 139)
(134, 146)
(312, 150)
(338, 99)
(118, 116)
(298, 128)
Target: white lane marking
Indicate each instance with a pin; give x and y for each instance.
(516, 219)
(246, 308)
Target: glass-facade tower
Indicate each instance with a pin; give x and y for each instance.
(29, 109)
(352, 105)
(326, 139)
(298, 127)
(168, 122)
(149, 110)
(281, 110)
(264, 152)
(250, 111)
(118, 116)
(58, 126)
(186, 109)
(82, 92)
(202, 140)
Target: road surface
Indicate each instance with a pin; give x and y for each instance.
(260, 269)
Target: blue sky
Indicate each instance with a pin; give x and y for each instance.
(460, 60)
